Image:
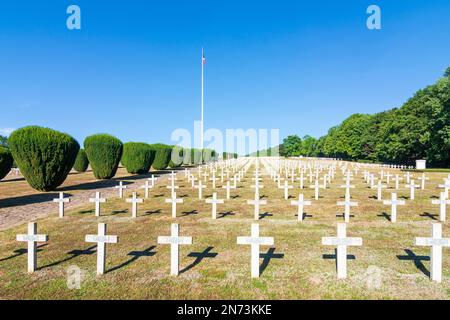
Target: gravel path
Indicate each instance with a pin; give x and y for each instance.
(11, 216)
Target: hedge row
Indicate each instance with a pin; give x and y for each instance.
(45, 156)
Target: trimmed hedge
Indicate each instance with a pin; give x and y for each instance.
(104, 153)
(81, 162)
(44, 156)
(162, 156)
(137, 157)
(196, 156)
(6, 162)
(177, 157)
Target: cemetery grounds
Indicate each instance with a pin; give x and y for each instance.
(386, 266)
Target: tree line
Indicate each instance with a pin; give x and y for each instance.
(420, 129)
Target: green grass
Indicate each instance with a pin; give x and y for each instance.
(299, 272)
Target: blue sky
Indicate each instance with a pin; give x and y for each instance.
(133, 70)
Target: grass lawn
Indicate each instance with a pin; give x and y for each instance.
(215, 267)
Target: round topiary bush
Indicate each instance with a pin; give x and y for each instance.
(177, 156)
(104, 153)
(162, 156)
(6, 162)
(44, 156)
(137, 157)
(81, 162)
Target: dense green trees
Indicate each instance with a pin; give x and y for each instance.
(420, 129)
(6, 161)
(104, 153)
(44, 156)
(81, 162)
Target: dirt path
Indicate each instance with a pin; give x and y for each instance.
(27, 207)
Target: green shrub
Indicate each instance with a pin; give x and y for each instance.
(104, 153)
(208, 155)
(162, 156)
(177, 156)
(44, 156)
(137, 157)
(6, 162)
(81, 162)
(187, 153)
(196, 156)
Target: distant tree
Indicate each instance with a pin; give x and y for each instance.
(292, 146)
(308, 146)
(447, 72)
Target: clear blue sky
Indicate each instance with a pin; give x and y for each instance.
(133, 70)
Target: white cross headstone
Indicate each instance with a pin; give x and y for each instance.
(134, 201)
(436, 242)
(146, 187)
(286, 188)
(214, 201)
(412, 187)
(257, 202)
(446, 186)
(316, 189)
(300, 203)
(152, 180)
(397, 181)
(228, 187)
(255, 241)
(61, 200)
(120, 187)
(442, 202)
(101, 239)
(174, 240)
(422, 179)
(379, 188)
(301, 179)
(394, 203)
(200, 187)
(347, 204)
(97, 200)
(32, 238)
(408, 176)
(173, 200)
(341, 241)
(172, 188)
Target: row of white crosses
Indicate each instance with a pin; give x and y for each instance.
(341, 241)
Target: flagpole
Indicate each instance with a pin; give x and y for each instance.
(201, 124)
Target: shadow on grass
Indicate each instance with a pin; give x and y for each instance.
(73, 254)
(199, 256)
(334, 257)
(135, 256)
(411, 256)
(269, 255)
(384, 215)
(224, 214)
(265, 215)
(430, 215)
(20, 252)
